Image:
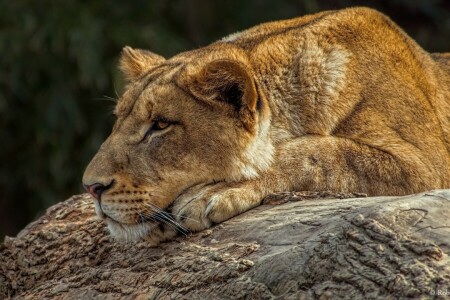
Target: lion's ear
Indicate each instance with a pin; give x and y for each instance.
(226, 81)
(134, 62)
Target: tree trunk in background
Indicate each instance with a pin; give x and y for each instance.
(295, 246)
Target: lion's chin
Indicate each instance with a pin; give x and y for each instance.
(129, 232)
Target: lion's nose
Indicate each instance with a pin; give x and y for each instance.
(96, 189)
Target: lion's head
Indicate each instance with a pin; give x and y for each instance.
(196, 118)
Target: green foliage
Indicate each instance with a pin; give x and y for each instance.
(58, 75)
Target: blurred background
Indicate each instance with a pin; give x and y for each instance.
(58, 75)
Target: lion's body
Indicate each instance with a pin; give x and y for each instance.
(355, 75)
(341, 100)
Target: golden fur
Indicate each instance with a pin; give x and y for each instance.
(340, 100)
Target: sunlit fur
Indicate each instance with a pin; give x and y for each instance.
(340, 100)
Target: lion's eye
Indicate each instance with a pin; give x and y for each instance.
(157, 126)
(160, 125)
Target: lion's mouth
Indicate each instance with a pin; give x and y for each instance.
(159, 217)
(142, 222)
(98, 210)
(104, 216)
(157, 225)
(108, 219)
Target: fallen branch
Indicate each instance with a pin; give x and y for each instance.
(290, 248)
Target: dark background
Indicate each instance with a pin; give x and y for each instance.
(58, 75)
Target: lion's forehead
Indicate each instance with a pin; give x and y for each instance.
(143, 92)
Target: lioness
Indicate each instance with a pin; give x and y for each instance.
(339, 100)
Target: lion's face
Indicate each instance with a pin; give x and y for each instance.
(176, 128)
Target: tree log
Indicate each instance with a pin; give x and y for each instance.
(295, 246)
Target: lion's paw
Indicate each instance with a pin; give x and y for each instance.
(205, 205)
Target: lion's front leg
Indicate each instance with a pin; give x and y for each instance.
(204, 205)
(307, 163)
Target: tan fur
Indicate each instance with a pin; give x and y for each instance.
(341, 100)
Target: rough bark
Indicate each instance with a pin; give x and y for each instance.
(296, 246)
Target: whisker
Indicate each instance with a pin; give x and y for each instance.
(169, 220)
(161, 217)
(151, 205)
(154, 195)
(165, 217)
(143, 218)
(184, 217)
(160, 209)
(115, 91)
(175, 228)
(110, 98)
(107, 98)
